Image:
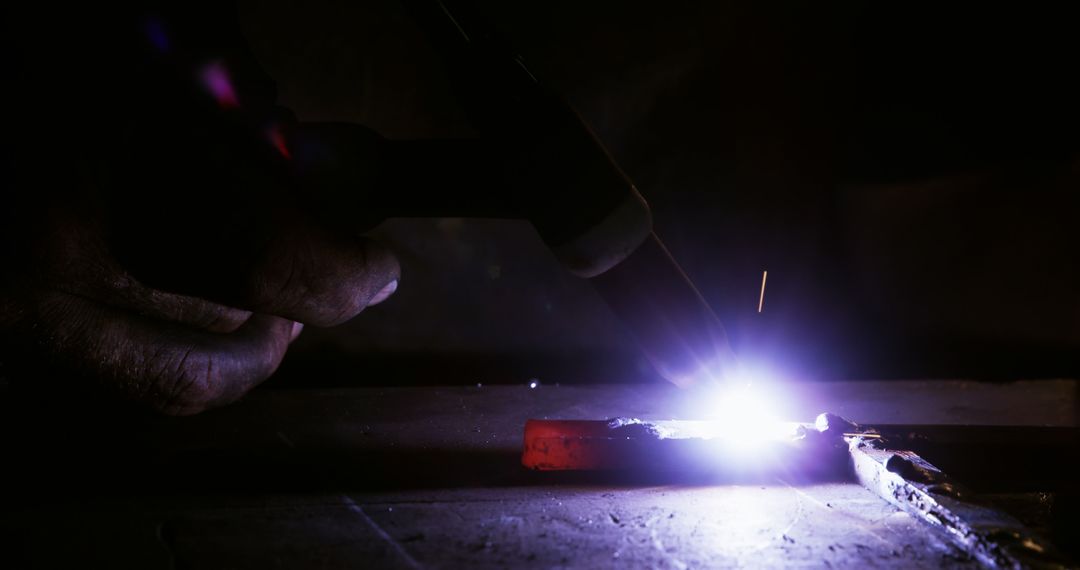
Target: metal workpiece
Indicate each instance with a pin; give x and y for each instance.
(833, 448)
(681, 450)
(908, 481)
(409, 459)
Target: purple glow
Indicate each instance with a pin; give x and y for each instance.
(215, 77)
(155, 32)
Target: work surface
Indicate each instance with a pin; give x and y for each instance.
(428, 477)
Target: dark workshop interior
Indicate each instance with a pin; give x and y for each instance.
(506, 284)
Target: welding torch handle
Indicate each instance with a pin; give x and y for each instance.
(562, 178)
(582, 205)
(641, 281)
(538, 160)
(355, 179)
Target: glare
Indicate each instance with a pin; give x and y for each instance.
(745, 416)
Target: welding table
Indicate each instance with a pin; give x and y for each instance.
(429, 477)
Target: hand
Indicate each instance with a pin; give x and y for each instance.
(170, 260)
(70, 307)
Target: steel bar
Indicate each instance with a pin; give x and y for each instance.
(917, 487)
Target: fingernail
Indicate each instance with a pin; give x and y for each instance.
(383, 293)
(296, 328)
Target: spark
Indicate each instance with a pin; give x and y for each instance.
(761, 299)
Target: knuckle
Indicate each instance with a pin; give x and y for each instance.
(186, 384)
(318, 288)
(280, 285)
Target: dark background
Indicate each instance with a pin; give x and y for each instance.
(906, 174)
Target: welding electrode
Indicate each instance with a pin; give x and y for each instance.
(551, 170)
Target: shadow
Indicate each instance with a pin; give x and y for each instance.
(121, 472)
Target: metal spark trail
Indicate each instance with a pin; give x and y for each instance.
(761, 299)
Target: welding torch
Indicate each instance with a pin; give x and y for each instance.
(536, 159)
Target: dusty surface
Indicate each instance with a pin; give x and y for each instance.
(828, 525)
(429, 478)
(669, 527)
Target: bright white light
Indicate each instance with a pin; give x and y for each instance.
(745, 417)
(533, 384)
